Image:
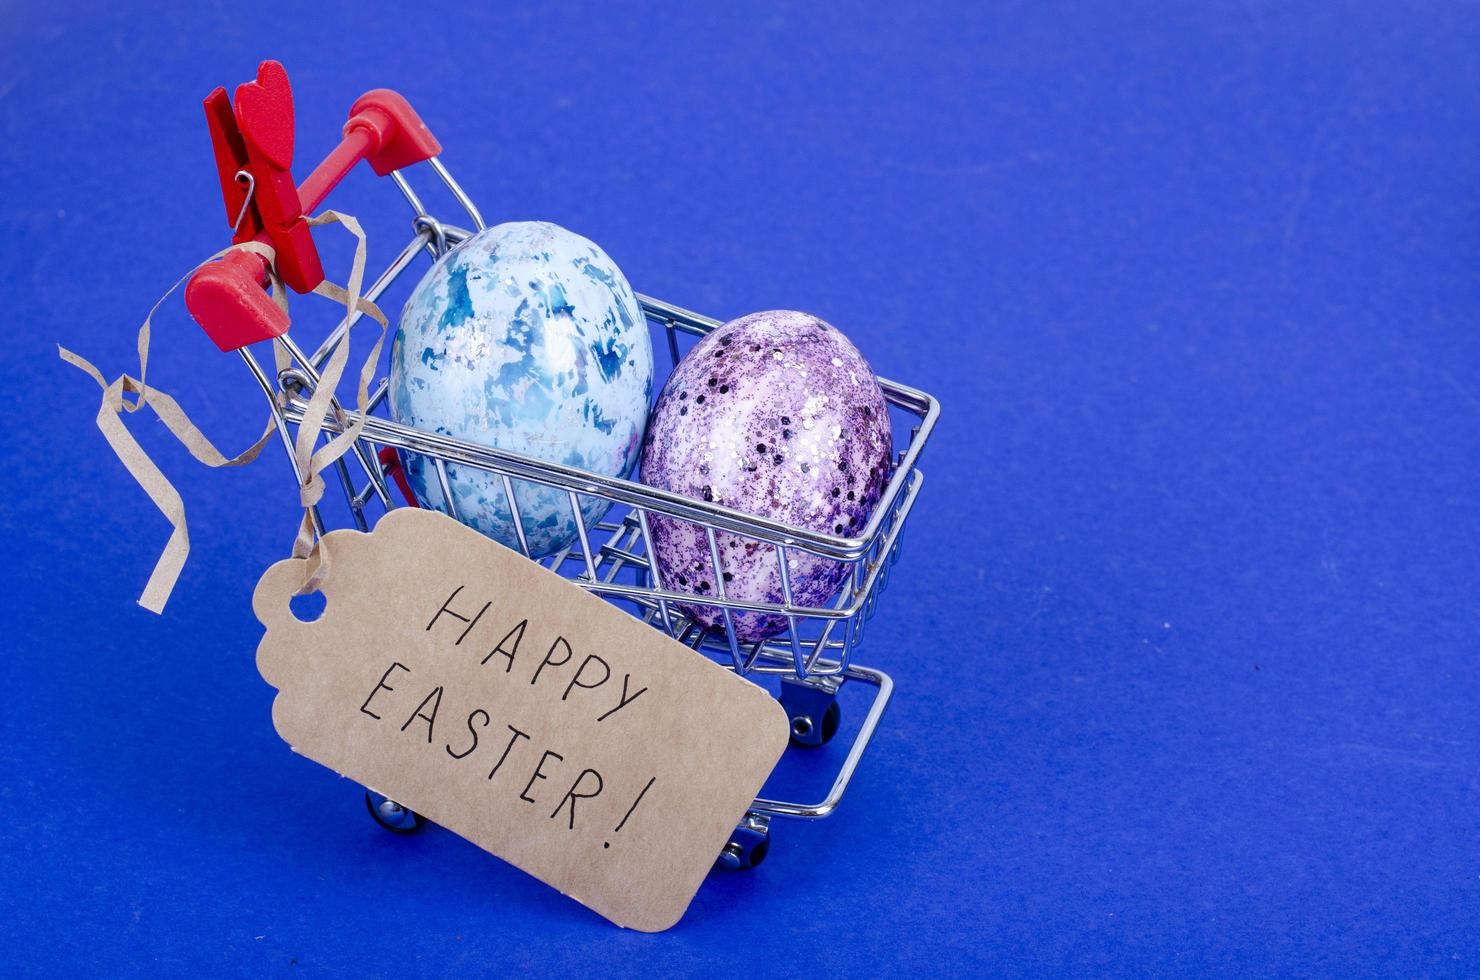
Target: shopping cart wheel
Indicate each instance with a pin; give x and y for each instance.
(748, 845)
(808, 733)
(812, 707)
(392, 815)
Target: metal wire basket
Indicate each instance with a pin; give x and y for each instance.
(812, 657)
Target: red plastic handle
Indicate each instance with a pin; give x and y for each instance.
(256, 137)
(401, 137)
(228, 298)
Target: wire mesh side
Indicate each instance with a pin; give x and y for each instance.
(613, 556)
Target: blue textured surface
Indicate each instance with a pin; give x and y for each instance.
(526, 337)
(1186, 623)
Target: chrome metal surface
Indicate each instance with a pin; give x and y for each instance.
(392, 815)
(611, 557)
(244, 177)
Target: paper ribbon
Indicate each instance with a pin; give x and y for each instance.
(311, 462)
(164, 495)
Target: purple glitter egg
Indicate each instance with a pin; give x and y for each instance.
(775, 414)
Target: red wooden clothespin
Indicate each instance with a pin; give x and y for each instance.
(253, 143)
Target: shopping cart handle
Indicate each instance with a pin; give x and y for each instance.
(384, 131)
(401, 137)
(253, 143)
(228, 298)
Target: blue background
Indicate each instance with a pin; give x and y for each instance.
(1185, 626)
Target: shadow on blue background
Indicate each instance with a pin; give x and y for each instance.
(1185, 624)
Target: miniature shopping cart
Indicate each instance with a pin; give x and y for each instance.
(812, 658)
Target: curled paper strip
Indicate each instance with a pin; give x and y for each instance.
(113, 406)
(310, 462)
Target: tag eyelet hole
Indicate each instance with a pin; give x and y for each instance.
(307, 608)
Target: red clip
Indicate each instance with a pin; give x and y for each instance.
(253, 142)
(231, 160)
(264, 120)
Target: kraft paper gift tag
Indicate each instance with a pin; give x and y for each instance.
(519, 711)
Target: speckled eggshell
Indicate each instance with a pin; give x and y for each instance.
(526, 337)
(775, 414)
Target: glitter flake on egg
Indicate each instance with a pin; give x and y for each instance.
(526, 337)
(777, 415)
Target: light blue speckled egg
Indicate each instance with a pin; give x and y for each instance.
(526, 337)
